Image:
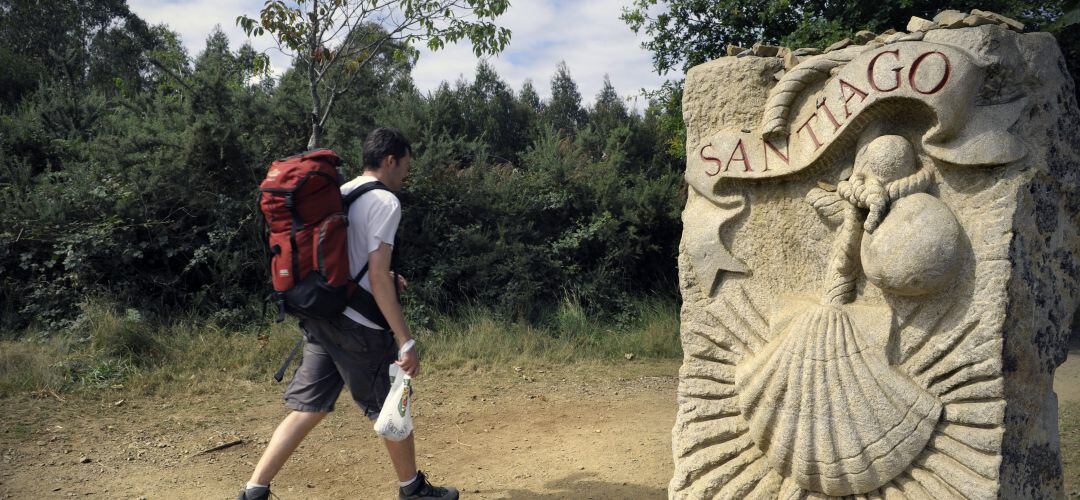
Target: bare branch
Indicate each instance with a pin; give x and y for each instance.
(329, 105)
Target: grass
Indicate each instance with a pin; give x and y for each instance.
(570, 335)
(111, 348)
(27, 366)
(1069, 428)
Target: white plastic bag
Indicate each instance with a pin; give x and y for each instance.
(395, 420)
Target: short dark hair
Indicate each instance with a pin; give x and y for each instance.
(383, 142)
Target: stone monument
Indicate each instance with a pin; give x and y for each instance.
(878, 266)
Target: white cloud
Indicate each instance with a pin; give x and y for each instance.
(194, 20)
(588, 35)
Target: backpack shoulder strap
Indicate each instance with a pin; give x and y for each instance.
(360, 190)
(354, 195)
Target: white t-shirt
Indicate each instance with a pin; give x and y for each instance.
(373, 220)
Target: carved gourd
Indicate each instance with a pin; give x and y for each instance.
(916, 249)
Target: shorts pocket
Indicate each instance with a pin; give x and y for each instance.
(359, 338)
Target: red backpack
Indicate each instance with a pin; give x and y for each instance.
(305, 214)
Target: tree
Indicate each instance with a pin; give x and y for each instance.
(609, 112)
(336, 38)
(685, 33)
(530, 97)
(66, 40)
(564, 110)
(503, 121)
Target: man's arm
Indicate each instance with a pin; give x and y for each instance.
(384, 288)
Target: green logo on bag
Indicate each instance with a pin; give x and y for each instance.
(405, 394)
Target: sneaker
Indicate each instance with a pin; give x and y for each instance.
(421, 489)
(255, 494)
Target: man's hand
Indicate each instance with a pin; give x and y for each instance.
(410, 363)
(401, 283)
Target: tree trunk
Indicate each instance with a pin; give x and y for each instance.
(316, 103)
(316, 131)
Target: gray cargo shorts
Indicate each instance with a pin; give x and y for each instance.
(341, 353)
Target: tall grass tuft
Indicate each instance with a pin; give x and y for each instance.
(30, 366)
(477, 336)
(122, 336)
(113, 348)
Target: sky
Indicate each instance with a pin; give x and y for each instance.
(587, 34)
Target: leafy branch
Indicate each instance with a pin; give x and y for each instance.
(337, 39)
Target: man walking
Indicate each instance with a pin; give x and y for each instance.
(354, 349)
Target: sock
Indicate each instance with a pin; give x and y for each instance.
(406, 484)
(253, 486)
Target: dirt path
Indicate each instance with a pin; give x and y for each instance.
(574, 432)
(571, 432)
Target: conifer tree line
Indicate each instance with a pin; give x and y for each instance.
(129, 170)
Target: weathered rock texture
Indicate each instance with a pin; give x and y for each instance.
(879, 269)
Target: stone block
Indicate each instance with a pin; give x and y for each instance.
(878, 270)
(790, 60)
(761, 50)
(911, 37)
(950, 18)
(974, 20)
(920, 24)
(864, 36)
(895, 37)
(838, 45)
(1009, 22)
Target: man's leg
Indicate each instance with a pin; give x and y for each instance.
(310, 394)
(363, 357)
(413, 483)
(403, 456)
(286, 438)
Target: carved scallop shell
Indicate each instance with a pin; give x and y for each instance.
(826, 408)
(948, 344)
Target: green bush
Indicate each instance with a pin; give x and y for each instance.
(140, 187)
(518, 238)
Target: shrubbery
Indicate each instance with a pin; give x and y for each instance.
(521, 237)
(132, 175)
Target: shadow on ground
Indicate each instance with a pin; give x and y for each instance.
(585, 485)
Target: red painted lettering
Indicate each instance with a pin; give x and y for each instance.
(710, 158)
(896, 72)
(813, 136)
(783, 156)
(855, 91)
(829, 115)
(739, 148)
(915, 70)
